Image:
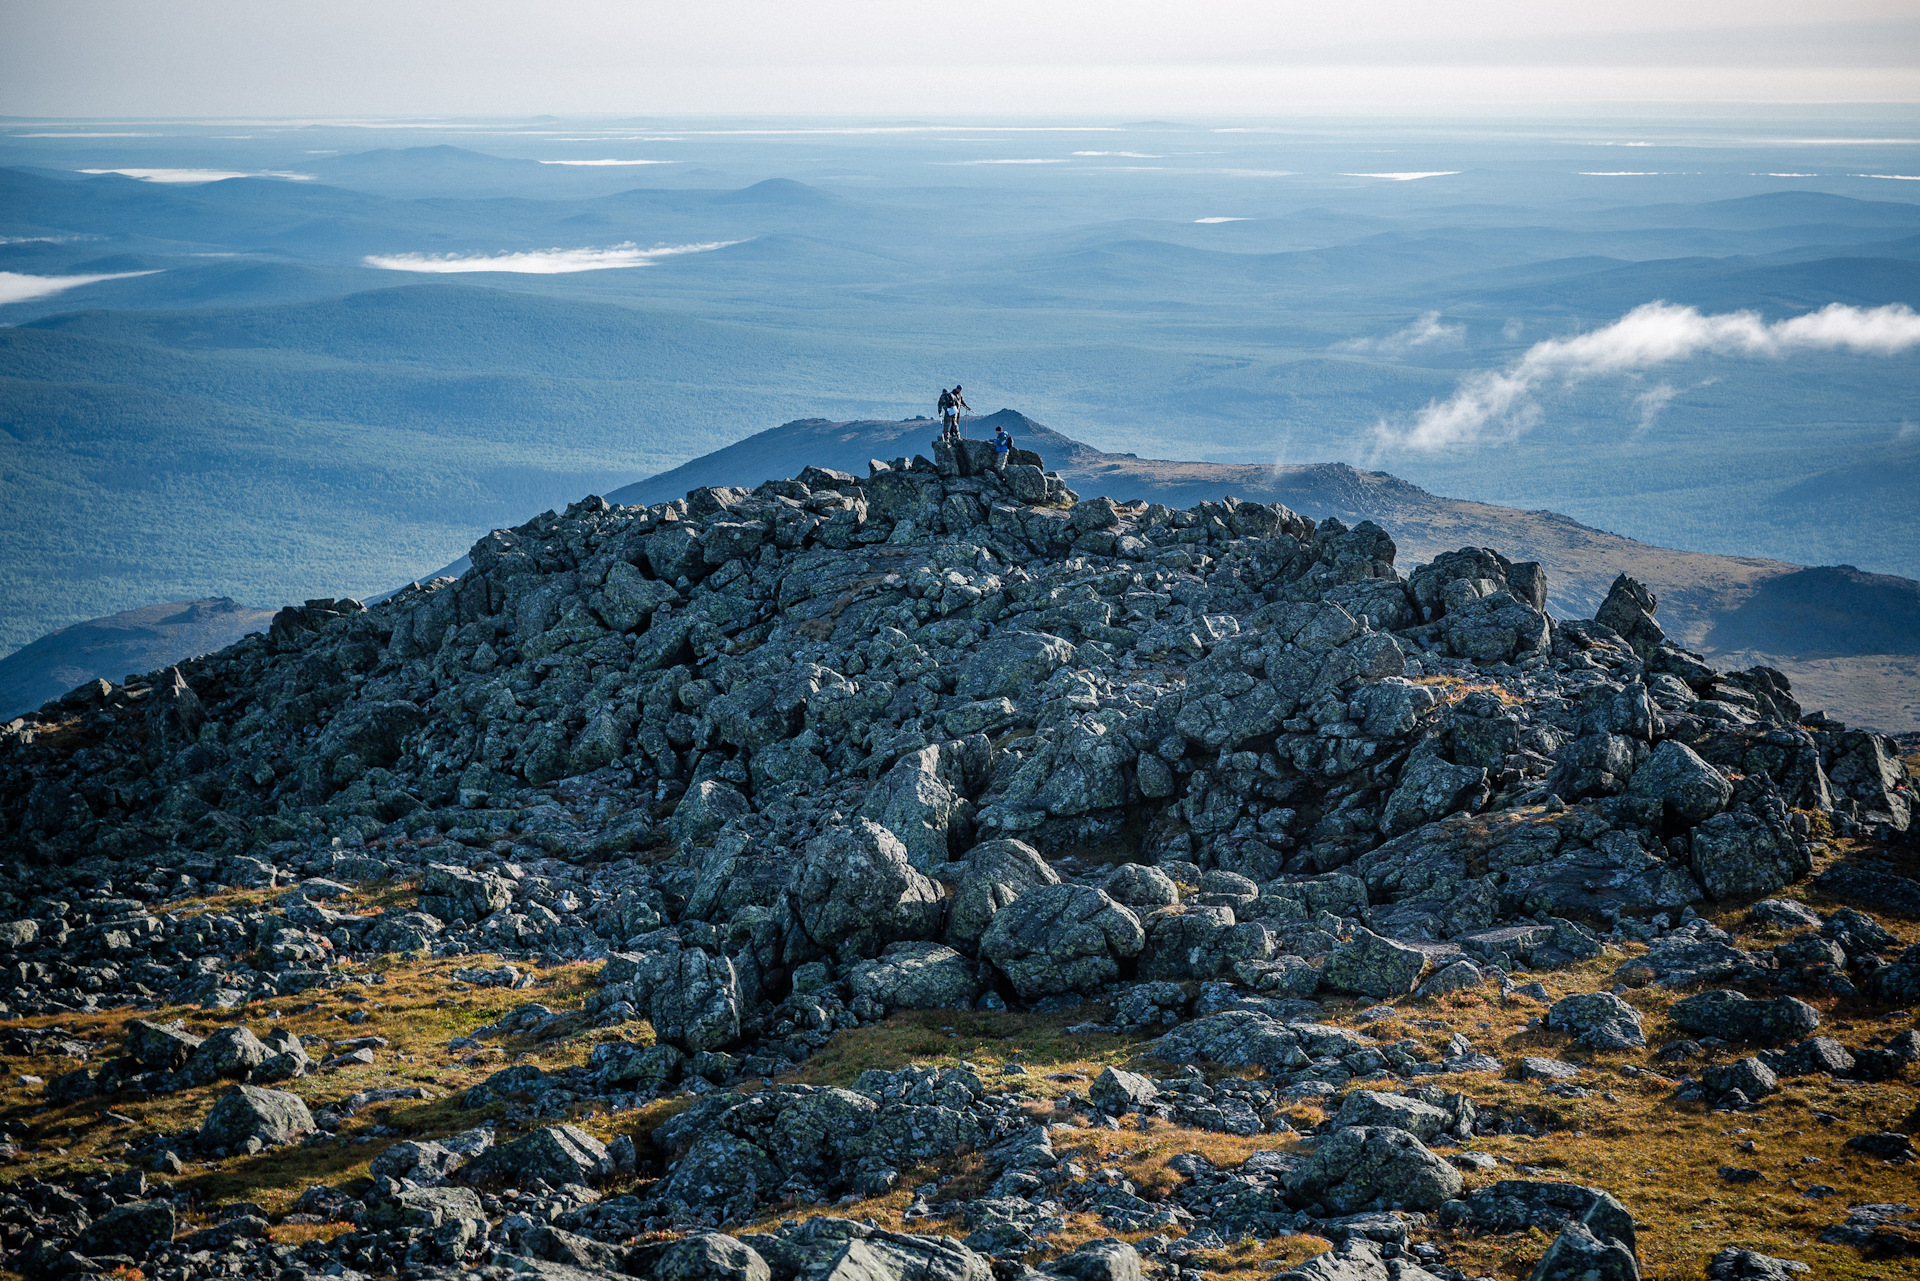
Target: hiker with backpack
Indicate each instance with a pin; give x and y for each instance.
(951, 403)
(1002, 445)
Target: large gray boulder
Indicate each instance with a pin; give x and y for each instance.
(1599, 1019)
(1369, 1107)
(1628, 610)
(229, 1054)
(918, 802)
(1141, 887)
(1577, 1254)
(856, 891)
(164, 1047)
(1012, 665)
(691, 996)
(247, 1112)
(1233, 1038)
(706, 808)
(1373, 966)
(1357, 1259)
(710, 1256)
(555, 1154)
(129, 1229)
(916, 976)
(1730, 1016)
(1690, 790)
(996, 873)
(1496, 628)
(1366, 1167)
(1429, 789)
(1741, 853)
(1061, 938)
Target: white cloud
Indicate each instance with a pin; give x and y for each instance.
(1650, 402)
(1214, 220)
(1892, 177)
(596, 163)
(201, 175)
(1405, 177)
(1131, 155)
(1908, 431)
(16, 287)
(541, 262)
(1500, 404)
(1058, 160)
(1427, 331)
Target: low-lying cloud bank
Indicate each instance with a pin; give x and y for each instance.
(1499, 404)
(541, 262)
(18, 287)
(1427, 331)
(202, 175)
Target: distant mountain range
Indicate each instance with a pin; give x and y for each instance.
(1849, 640)
(137, 641)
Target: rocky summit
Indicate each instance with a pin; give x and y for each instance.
(1368, 902)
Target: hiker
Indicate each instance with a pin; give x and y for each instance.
(946, 413)
(1002, 444)
(950, 421)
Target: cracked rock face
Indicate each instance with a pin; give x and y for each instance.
(789, 760)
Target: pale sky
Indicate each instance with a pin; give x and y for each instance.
(229, 58)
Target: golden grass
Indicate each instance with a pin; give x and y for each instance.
(1661, 1158)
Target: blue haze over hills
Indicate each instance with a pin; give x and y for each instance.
(260, 413)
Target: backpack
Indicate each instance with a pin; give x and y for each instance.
(946, 401)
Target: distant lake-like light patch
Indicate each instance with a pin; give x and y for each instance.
(18, 287)
(1405, 177)
(201, 175)
(1209, 220)
(598, 163)
(541, 262)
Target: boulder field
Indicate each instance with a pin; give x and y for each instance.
(790, 760)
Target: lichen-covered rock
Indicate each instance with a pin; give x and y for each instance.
(1741, 853)
(1373, 1168)
(1373, 966)
(1599, 1019)
(1432, 788)
(1369, 1107)
(248, 1113)
(1731, 1016)
(917, 801)
(916, 976)
(162, 1046)
(555, 1154)
(1118, 1091)
(995, 874)
(855, 891)
(1233, 1038)
(130, 1229)
(710, 1256)
(1690, 790)
(1579, 1255)
(1061, 938)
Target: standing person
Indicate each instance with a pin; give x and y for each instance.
(946, 415)
(959, 406)
(1002, 444)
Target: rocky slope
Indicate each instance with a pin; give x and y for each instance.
(1836, 628)
(137, 640)
(787, 762)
